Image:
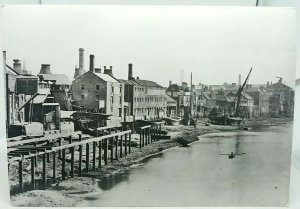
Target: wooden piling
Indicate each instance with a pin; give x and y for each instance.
(54, 167)
(72, 161)
(59, 144)
(63, 165)
(125, 144)
(48, 154)
(80, 161)
(121, 147)
(116, 143)
(87, 157)
(32, 173)
(111, 149)
(44, 169)
(141, 139)
(94, 156)
(100, 156)
(129, 143)
(21, 174)
(105, 151)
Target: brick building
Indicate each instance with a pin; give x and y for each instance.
(99, 92)
(147, 99)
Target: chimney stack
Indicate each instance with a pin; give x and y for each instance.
(170, 83)
(240, 80)
(92, 63)
(108, 71)
(45, 69)
(17, 66)
(130, 71)
(81, 58)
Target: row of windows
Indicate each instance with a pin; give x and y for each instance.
(146, 110)
(140, 89)
(98, 98)
(98, 88)
(150, 99)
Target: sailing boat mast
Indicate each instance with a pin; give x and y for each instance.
(239, 95)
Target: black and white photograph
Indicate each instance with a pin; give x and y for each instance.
(154, 106)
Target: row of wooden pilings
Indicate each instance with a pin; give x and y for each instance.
(110, 142)
(107, 142)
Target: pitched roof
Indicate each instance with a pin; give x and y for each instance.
(223, 98)
(60, 79)
(106, 77)
(147, 83)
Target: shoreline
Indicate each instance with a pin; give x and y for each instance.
(72, 191)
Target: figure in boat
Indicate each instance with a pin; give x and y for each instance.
(232, 155)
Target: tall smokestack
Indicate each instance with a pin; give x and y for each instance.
(130, 71)
(92, 62)
(45, 69)
(81, 58)
(170, 83)
(17, 66)
(240, 80)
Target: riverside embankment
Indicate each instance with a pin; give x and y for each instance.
(75, 190)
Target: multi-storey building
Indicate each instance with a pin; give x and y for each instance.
(100, 92)
(147, 99)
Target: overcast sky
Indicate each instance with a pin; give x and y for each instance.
(215, 43)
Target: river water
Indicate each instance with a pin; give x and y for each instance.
(200, 176)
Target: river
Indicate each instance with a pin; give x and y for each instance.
(200, 176)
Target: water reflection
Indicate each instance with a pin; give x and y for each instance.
(199, 176)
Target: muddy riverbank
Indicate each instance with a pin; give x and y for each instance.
(74, 190)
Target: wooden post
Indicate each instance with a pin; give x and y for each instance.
(32, 173)
(116, 142)
(44, 169)
(129, 143)
(125, 144)
(59, 144)
(111, 149)
(87, 157)
(80, 157)
(145, 134)
(148, 132)
(141, 139)
(48, 154)
(105, 151)
(80, 161)
(100, 156)
(63, 165)
(94, 156)
(70, 142)
(54, 167)
(72, 161)
(21, 174)
(121, 147)
(160, 130)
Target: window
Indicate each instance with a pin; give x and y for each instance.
(97, 87)
(121, 89)
(97, 97)
(82, 97)
(112, 99)
(120, 99)
(82, 86)
(112, 89)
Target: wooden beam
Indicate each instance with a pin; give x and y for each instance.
(105, 151)
(21, 175)
(94, 155)
(80, 161)
(72, 161)
(63, 163)
(87, 157)
(116, 152)
(40, 139)
(32, 173)
(100, 152)
(44, 169)
(54, 167)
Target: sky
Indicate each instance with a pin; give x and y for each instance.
(214, 43)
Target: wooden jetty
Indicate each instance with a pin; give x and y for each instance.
(69, 148)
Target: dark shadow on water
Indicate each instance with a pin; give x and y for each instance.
(108, 182)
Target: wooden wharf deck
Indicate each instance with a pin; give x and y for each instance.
(69, 149)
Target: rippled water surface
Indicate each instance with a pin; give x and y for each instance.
(200, 176)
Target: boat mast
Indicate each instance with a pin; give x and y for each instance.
(239, 95)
